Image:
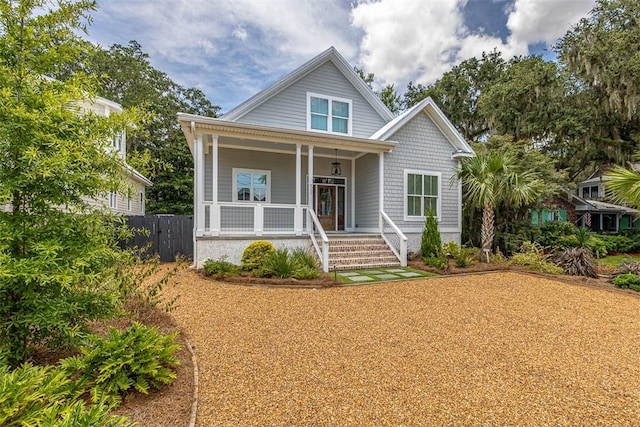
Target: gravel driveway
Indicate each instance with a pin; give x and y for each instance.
(494, 349)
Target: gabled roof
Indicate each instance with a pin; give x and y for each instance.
(463, 149)
(341, 64)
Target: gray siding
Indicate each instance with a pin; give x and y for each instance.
(421, 146)
(283, 173)
(288, 109)
(366, 187)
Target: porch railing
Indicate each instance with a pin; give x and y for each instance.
(252, 218)
(394, 237)
(314, 227)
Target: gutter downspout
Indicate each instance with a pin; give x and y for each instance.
(195, 208)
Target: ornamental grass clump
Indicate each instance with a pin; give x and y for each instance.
(577, 262)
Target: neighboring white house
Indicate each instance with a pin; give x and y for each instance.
(132, 200)
(318, 158)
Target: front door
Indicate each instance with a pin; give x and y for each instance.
(326, 206)
(330, 206)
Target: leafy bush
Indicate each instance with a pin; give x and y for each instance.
(220, 268)
(618, 243)
(140, 294)
(582, 238)
(532, 256)
(44, 396)
(137, 358)
(463, 256)
(256, 254)
(628, 281)
(577, 262)
(439, 262)
(552, 232)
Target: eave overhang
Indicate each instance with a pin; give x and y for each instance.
(193, 125)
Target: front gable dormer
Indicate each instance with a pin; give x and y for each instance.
(324, 95)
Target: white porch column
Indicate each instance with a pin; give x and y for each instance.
(199, 184)
(353, 194)
(381, 187)
(297, 220)
(215, 212)
(310, 179)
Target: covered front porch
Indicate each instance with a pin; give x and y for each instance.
(259, 182)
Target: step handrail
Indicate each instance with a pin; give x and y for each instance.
(323, 253)
(399, 249)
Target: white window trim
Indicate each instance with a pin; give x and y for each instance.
(405, 189)
(234, 189)
(113, 200)
(329, 116)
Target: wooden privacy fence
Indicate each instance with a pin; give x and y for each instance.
(167, 235)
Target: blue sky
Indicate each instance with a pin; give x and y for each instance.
(231, 49)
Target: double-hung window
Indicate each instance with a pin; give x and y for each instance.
(250, 185)
(422, 194)
(328, 114)
(113, 200)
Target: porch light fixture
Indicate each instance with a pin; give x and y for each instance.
(336, 168)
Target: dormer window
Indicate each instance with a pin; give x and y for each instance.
(328, 114)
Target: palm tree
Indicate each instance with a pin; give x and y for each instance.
(623, 185)
(491, 178)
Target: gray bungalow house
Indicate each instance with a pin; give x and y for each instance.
(317, 160)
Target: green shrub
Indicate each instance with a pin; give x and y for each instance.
(577, 262)
(139, 358)
(552, 232)
(256, 254)
(220, 268)
(306, 273)
(439, 262)
(618, 243)
(582, 238)
(627, 267)
(304, 258)
(628, 281)
(46, 396)
(463, 256)
(280, 264)
(431, 244)
(532, 256)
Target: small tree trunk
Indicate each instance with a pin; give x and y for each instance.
(488, 223)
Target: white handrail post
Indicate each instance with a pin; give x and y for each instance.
(325, 256)
(403, 253)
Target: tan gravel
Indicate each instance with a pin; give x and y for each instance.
(494, 349)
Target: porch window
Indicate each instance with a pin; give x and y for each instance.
(328, 114)
(422, 190)
(251, 185)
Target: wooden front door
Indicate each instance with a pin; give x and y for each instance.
(326, 206)
(330, 205)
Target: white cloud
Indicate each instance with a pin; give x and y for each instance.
(416, 40)
(533, 21)
(240, 33)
